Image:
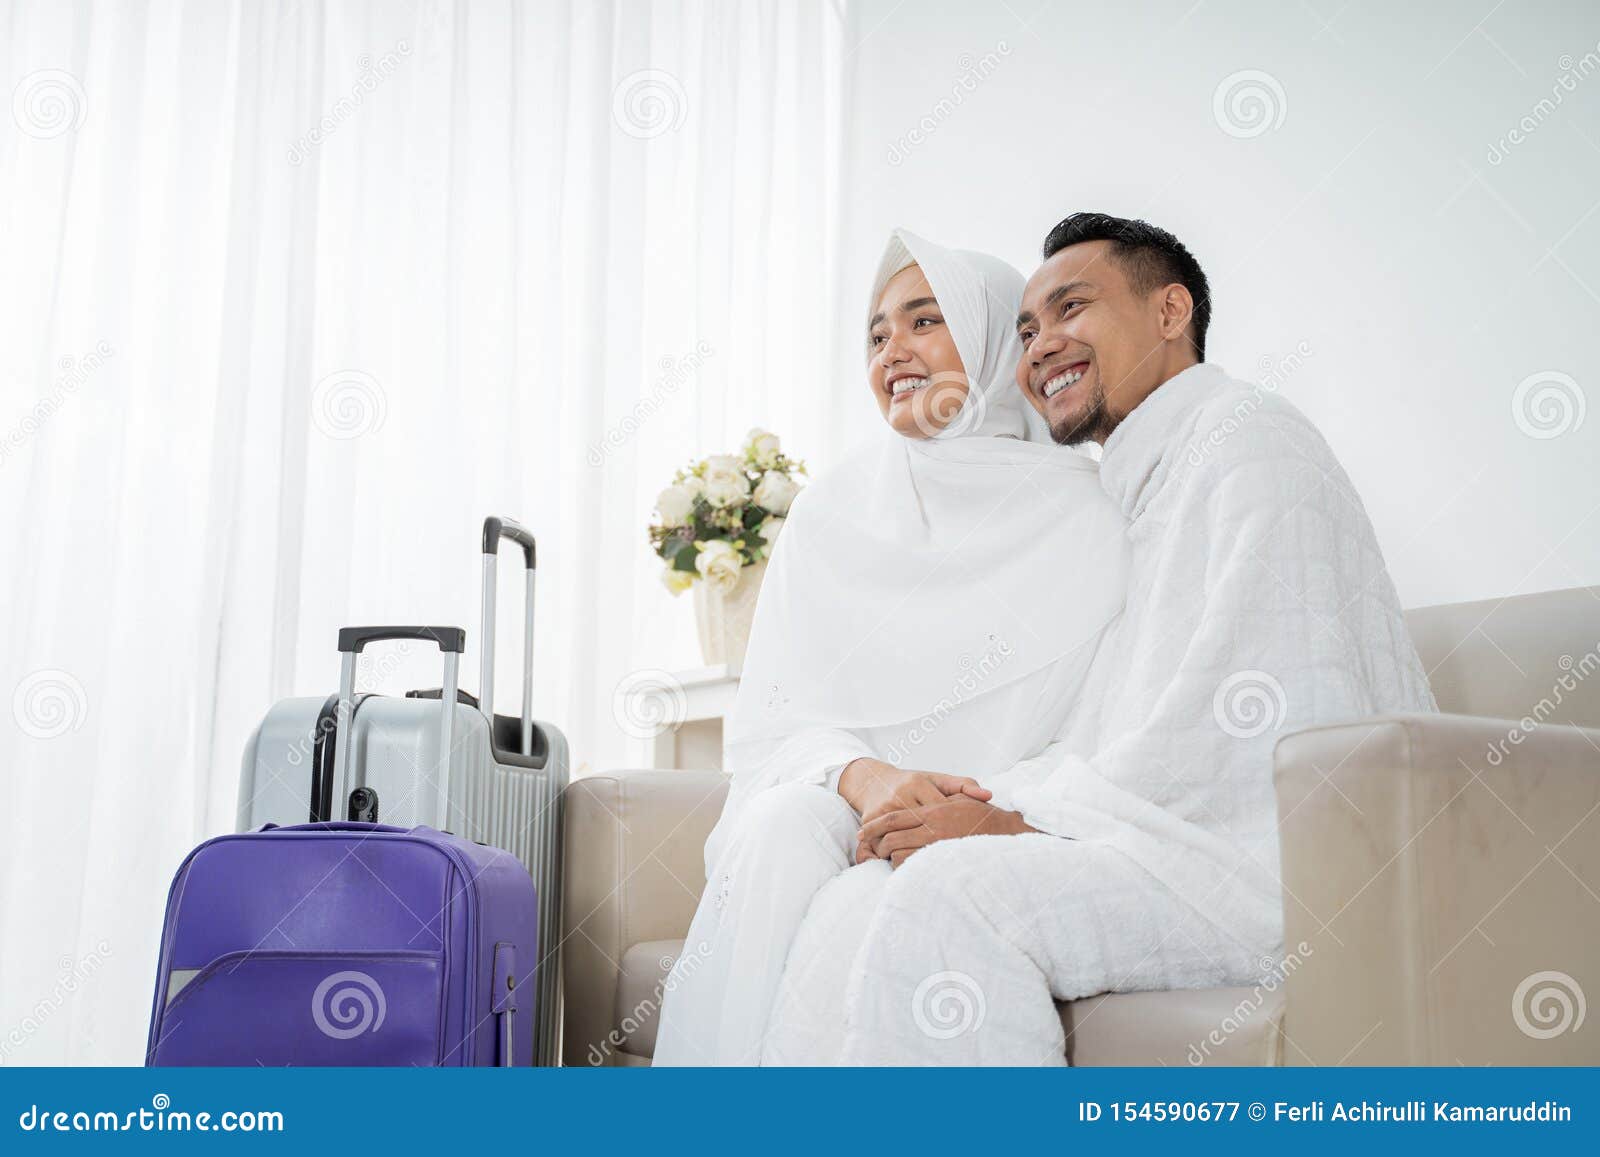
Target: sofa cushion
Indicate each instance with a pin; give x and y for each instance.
(1207, 1026)
(1183, 1027)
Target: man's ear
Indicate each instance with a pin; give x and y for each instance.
(1177, 307)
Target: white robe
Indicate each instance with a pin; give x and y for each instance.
(1259, 605)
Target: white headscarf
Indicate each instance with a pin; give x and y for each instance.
(931, 602)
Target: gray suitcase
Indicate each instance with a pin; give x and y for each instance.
(374, 757)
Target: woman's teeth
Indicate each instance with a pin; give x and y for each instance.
(1060, 382)
(906, 385)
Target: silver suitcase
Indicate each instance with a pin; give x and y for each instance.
(374, 757)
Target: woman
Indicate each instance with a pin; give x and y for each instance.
(933, 604)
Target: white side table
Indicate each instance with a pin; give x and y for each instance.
(696, 742)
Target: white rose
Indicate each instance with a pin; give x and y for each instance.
(775, 492)
(719, 563)
(674, 504)
(694, 485)
(675, 580)
(762, 446)
(728, 488)
(770, 527)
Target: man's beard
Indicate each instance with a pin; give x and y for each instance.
(1090, 424)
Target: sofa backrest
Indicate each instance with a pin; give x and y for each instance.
(1529, 656)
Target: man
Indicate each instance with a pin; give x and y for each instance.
(1140, 850)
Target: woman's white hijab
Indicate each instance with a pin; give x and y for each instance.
(931, 602)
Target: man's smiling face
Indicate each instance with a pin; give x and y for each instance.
(1092, 347)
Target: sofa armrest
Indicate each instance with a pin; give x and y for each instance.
(1441, 880)
(633, 872)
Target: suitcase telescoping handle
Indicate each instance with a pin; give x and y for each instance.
(495, 529)
(352, 641)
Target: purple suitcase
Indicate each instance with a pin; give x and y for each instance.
(347, 944)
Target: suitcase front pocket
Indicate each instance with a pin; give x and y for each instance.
(305, 1008)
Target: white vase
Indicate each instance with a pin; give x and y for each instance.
(724, 617)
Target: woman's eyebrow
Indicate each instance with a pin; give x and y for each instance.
(918, 303)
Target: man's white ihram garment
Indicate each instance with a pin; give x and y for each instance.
(1259, 604)
(931, 603)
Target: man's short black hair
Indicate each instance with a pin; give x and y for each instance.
(1149, 257)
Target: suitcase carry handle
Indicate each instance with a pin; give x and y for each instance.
(355, 639)
(495, 529)
(332, 826)
(452, 642)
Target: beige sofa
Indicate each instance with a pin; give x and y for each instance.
(1441, 878)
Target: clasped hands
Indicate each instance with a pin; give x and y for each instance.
(903, 812)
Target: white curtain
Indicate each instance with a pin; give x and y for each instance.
(291, 296)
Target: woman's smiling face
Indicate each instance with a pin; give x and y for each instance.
(914, 369)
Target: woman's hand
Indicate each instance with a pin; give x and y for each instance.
(896, 835)
(875, 788)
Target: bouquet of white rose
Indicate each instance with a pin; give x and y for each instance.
(723, 513)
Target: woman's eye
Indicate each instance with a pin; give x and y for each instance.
(1069, 305)
(1026, 336)
(875, 340)
(928, 320)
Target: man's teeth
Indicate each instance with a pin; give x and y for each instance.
(906, 385)
(1060, 382)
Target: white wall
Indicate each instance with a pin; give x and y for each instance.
(1426, 280)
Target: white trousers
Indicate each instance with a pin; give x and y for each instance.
(955, 958)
